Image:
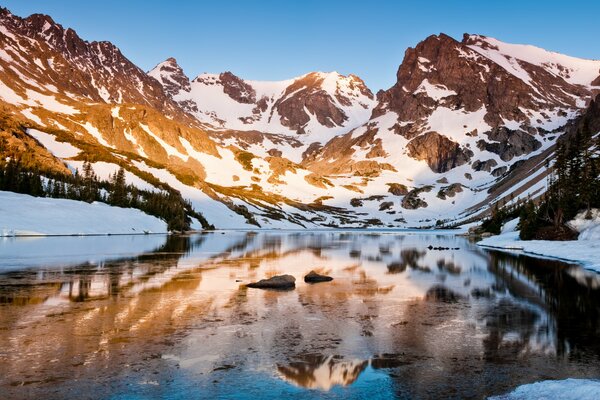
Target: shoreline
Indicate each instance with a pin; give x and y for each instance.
(583, 253)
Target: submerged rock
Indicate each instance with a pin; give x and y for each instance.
(276, 282)
(313, 277)
(440, 293)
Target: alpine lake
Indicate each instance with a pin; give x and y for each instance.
(409, 315)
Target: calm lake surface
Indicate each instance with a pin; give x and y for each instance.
(135, 317)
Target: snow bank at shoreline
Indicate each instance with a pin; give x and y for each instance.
(567, 389)
(585, 251)
(24, 215)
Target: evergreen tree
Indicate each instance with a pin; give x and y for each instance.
(118, 194)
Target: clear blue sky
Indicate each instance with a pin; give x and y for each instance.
(272, 40)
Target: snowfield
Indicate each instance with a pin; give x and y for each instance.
(24, 215)
(585, 250)
(568, 389)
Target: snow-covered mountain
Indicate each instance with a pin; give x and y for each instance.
(316, 104)
(467, 123)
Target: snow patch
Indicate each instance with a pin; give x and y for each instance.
(58, 149)
(24, 215)
(567, 389)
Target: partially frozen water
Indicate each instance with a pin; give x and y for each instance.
(408, 315)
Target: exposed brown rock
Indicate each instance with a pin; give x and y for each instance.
(487, 165)
(173, 79)
(237, 89)
(94, 71)
(440, 153)
(477, 82)
(275, 153)
(397, 189)
(275, 282)
(449, 191)
(313, 277)
(412, 201)
(306, 94)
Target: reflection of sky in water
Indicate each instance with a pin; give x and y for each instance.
(399, 316)
(61, 251)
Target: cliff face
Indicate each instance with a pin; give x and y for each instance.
(478, 72)
(41, 54)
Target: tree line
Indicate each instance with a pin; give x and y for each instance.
(167, 205)
(573, 186)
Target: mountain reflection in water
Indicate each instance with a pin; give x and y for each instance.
(320, 372)
(408, 315)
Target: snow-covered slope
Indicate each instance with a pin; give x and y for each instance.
(467, 123)
(21, 215)
(315, 106)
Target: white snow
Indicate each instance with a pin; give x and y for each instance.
(218, 109)
(58, 149)
(28, 113)
(49, 103)
(133, 140)
(588, 228)
(92, 130)
(571, 69)
(436, 92)
(567, 389)
(24, 215)
(585, 250)
(9, 95)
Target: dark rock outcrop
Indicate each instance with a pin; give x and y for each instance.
(276, 282)
(237, 89)
(499, 171)
(412, 201)
(313, 277)
(509, 143)
(449, 191)
(487, 165)
(386, 205)
(397, 189)
(440, 153)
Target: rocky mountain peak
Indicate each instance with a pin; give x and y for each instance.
(481, 73)
(75, 69)
(322, 95)
(237, 88)
(171, 76)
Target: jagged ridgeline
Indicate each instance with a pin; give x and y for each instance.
(468, 124)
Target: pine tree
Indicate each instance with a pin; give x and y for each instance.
(118, 194)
